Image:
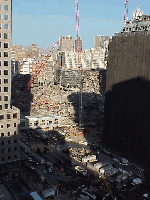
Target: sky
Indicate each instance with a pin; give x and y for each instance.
(44, 21)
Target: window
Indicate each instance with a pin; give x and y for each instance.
(0, 72)
(15, 124)
(9, 142)
(1, 117)
(0, 16)
(5, 80)
(9, 149)
(15, 148)
(5, 72)
(5, 54)
(6, 106)
(8, 125)
(15, 141)
(0, 35)
(2, 158)
(0, 6)
(15, 156)
(1, 126)
(2, 142)
(0, 98)
(0, 54)
(0, 81)
(0, 107)
(0, 44)
(5, 36)
(5, 45)
(2, 134)
(0, 26)
(8, 116)
(0, 63)
(8, 134)
(5, 26)
(5, 63)
(9, 157)
(5, 89)
(6, 17)
(2, 151)
(15, 115)
(5, 98)
(6, 7)
(15, 133)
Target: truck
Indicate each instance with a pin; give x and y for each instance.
(45, 138)
(37, 157)
(49, 165)
(24, 147)
(50, 192)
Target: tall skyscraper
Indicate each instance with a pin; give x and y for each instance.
(126, 121)
(9, 115)
(66, 43)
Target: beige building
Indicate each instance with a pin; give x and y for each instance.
(33, 51)
(66, 43)
(19, 52)
(101, 41)
(9, 116)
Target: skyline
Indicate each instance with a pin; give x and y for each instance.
(43, 21)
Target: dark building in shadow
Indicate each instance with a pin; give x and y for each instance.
(127, 98)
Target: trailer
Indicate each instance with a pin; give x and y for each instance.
(45, 138)
(50, 192)
(49, 164)
(24, 147)
(37, 157)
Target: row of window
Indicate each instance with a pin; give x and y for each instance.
(8, 134)
(8, 126)
(5, 35)
(5, 63)
(9, 157)
(5, 26)
(5, 99)
(5, 45)
(5, 89)
(2, 142)
(5, 17)
(9, 150)
(5, 6)
(5, 80)
(8, 115)
(5, 107)
(5, 54)
(5, 72)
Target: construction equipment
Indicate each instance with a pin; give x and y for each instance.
(79, 64)
(126, 12)
(41, 66)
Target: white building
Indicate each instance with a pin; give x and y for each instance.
(26, 67)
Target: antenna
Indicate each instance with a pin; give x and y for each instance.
(126, 12)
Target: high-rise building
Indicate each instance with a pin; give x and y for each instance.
(9, 115)
(33, 51)
(126, 121)
(101, 41)
(76, 45)
(66, 43)
(19, 52)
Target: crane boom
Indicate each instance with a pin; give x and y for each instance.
(41, 66)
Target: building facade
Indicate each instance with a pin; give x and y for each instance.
(126, 124)
(9, 116)
(66, 43)
(19, 52)
(33, 51)
(101, 41)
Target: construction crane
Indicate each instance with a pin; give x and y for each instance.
(79, 64)
(126, 12)
(41, 66)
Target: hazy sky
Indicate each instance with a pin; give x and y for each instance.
(43, 21)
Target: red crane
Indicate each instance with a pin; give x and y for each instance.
(41, 66)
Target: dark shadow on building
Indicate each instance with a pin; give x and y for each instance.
(126, 119)
(21, 97)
